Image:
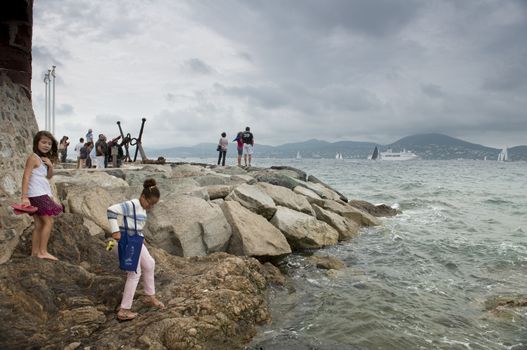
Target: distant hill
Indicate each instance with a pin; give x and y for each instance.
(426, 146)
(439, 146)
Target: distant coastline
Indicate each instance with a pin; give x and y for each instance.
(426, 146)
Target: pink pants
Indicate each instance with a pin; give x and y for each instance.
(146, 265)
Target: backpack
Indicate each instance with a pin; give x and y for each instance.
(247, 137)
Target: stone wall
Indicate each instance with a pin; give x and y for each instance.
(16, 138)
(18, 124)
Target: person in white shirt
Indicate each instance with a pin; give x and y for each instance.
(78, 151)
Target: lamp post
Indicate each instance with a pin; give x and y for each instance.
(53, 102)
(46, 81)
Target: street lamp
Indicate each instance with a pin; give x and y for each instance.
(46, 81)
(53, 75)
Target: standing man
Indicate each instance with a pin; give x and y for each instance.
(101, 151)
(78, 151)
(248, 144)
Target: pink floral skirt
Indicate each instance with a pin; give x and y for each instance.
(46, 206)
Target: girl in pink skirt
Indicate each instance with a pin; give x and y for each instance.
(36, 191)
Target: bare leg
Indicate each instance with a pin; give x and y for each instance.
(44, 238)
(250, 158)
(245, 159)
(239, 160)
(35, 238)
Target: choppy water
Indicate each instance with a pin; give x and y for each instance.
(422, 279)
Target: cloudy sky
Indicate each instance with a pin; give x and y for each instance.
(361, 70)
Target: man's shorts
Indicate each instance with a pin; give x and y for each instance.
(247, 148)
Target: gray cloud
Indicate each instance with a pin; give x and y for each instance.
(370, 70)
(196, 65)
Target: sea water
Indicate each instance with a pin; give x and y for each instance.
(425, 278)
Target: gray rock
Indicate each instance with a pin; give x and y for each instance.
(346, 228)
(277, 179)
(303, 231)
(360, 217)
(314, 179)
(252, 234)
(293, 172)
(177, 225)
(254, 199)
(287, 198)
(375, 210)
(218, 191)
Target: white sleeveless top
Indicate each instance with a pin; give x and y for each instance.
(38, 182)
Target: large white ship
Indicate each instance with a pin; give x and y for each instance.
(404, 155)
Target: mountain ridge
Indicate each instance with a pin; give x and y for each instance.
(426, 146)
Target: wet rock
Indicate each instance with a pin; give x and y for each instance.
(346, 228)
(327, 262)
(360, 217)
(375, 210)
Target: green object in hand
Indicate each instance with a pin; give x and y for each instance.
(110, 245)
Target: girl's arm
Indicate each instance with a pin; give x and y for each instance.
(31, 163)
(49, 164)
(112, 213)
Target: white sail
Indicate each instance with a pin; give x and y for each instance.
(504, 155)
(298, 156)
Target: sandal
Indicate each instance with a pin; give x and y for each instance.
(126, 315)
(153, 301)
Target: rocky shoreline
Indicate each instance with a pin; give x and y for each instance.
(213, 235)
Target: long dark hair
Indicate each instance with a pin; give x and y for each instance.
(150, 189)
(52, 154)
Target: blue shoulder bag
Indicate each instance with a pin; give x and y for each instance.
(130, 246)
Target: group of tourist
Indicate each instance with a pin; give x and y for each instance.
(244, 145)
(92, 154)
(37, 201)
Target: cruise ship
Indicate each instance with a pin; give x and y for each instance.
(404, 155)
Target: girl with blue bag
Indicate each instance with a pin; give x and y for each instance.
(133, 254)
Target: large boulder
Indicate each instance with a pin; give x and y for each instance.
(378, 210)
(311, 196)
(312, 178)
(218, 191)
(346, 228)
(277, 179)
(287, 198)
(360, 217)
(252, 234)
(91, 204)
(321, 190)
(188, 226)
(302, 230)
(65, 180)
(254, 199)
(290, 171)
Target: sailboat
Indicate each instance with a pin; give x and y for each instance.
(375, 154)
(298, 156)
(339, 156)
(504, 155)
